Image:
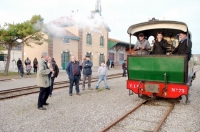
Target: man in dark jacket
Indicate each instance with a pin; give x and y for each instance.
(108, 64)
(87, 72)
(185, 46)
(160, 45)
(124, 67)
(74, 74)
(54, 75)
(19, 63)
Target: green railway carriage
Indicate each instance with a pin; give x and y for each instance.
(167, 76)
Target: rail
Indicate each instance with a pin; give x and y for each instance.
(157, 128)
(11, 93)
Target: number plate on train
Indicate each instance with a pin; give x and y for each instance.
(154, 88)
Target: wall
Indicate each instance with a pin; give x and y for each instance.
(117, 50)
(95, 48)
(59, 46)
(73, 29)
(35, 50)
(15, 55)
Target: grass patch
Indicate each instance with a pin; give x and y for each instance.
(14, 75)
(100, 89)
(9, 73)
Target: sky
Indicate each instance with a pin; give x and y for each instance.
(118, 14)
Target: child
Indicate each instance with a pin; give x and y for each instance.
(21, 70)
(102, 71)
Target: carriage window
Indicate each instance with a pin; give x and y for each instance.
(151, 40)
(176, 41)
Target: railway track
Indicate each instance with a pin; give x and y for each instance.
(11, 93)
(197, 69)
(116, 126)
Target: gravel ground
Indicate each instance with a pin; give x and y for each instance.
(145, 118)
(94, 110)
(17, 83)
(186, 118)
(90, 112)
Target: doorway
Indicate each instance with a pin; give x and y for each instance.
(65, 59)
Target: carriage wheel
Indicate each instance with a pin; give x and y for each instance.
(184, 97)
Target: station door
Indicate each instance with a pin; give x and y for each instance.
(65, 59)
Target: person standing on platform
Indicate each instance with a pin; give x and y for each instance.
(108, 64)
(19, 63)
(35, 65)
(124, 67)
(27, 61)
(53, 75)
(21, 71)
(74, 74)
(87, 72)
(43, 81)
(28, 65)
(102, 72)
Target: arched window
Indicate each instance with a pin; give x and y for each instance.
(89, 39)
(101, 41)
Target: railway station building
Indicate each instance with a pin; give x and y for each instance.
(73, 40)
(118, 51)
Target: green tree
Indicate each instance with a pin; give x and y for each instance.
(1, 49)
(12, 35)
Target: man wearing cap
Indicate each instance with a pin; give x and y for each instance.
(185, 45)
(87, 72)
(142, 45)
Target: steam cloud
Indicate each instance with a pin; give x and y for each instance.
(92, 22)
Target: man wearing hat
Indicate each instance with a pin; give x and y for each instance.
(87, 72)
(142, 45)
(185, 45)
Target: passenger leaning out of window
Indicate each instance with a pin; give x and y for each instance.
(160, 45)
(142, 45)
(185, 45)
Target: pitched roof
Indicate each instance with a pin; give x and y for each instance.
(113, 42)
(65, 34)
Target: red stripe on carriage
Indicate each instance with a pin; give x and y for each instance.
(173, 90)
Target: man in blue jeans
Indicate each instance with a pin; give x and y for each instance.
(87, 72)
(74, 74)
(102, 71)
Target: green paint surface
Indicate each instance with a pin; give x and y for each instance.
(153, 68)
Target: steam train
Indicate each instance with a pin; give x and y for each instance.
(165, 76)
